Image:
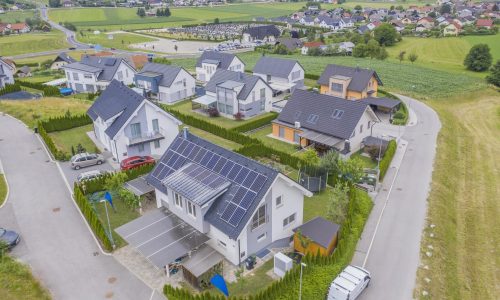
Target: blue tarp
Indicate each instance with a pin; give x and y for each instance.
(66, 91)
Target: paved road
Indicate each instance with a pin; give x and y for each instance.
(396, 226)
(70, 35)
(55, 240)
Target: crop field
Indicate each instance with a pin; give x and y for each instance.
(444, 53)
(31, 42)
(16, 16)
(405, 78)
(119, 40)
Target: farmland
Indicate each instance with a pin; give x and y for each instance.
(16, 16)
(118, 41)
(32, 42)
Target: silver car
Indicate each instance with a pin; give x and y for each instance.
(85, 176)
(82, 160)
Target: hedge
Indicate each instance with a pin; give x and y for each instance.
(311, 76)
(251, 125)
(402, 111)
(320, 270)
(387, 159)
(65, 122)
(10, 88)
(58, 154)
(47, 90)
(91, 217)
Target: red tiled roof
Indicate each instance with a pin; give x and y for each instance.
(484, 22)
(18, 26)
(313, 44)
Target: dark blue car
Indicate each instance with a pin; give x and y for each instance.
(11, 238)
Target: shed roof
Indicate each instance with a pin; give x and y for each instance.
(319, 230)
(382, 102)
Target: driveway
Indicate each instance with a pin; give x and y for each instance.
(56, 242)
(390, 244)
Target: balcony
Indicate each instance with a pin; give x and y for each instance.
(146, 137)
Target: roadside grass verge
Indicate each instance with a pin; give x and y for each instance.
(3, 189)
(17, 282)
(31, 111)
(463, 202)
(32, 42)
(65, 139)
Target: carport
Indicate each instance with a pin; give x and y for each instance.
(139, 186)
(162, 237)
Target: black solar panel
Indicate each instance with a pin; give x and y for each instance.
(182, 147)
(179, 162)
(206, 159)
(218, 181)
(158, 170)
(219, 164)
(199, 156)
(237, 216)
(194, 152)
(213, 161)
(238, 196)
(250, 179)
(227, 167)
(226, 215)
(234, 171)
(248, 199)
(187, 150)
(258, 183)
(242, 175)
(166, 170)
(175, 144)
(172, 159)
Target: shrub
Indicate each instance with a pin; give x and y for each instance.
(65, 122)
(47, 90)
(213, 112)
(255, 123)
(10, 88)
(56, 153)
(387, 159)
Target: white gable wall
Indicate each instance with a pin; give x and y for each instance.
(178, 90)
(362, 130)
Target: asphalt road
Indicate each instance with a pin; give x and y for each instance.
(56, 242)
(390, 244)
(70, 35)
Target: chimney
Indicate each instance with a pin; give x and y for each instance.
(185, 131)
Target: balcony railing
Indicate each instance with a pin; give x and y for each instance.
(146, 137)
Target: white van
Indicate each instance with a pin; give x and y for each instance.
(349, 284)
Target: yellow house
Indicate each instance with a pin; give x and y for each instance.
(349, 83)
(317, 235)
(451, 30)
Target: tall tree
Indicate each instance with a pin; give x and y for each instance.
(385, 34)
(479, 58)
(494, 77)
(339, 203)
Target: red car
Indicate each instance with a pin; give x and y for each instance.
(136, 161)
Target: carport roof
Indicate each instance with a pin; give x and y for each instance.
(161, 237)
(139, 186)
(202, 260)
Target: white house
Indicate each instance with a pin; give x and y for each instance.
(211, 61)
(236, 92)
(266, 34)
(6, 73)
(62, 59)
(165, 83)
(127, 124)
(94, 73)
(242, 207)
(283, 75)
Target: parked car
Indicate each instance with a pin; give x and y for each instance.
(11, 238)
(89, 175)
(136, 161)
(71, 48)
(349, 284)
(82, 160)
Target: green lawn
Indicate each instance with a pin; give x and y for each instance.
(3, 189)
(262, 134)
(367, 161)
(38, 59)
(72, 137)
(119, 41)
(16, 16)
(42, 78)
(32, 42)
(317, 205)
(17, 282)
(227, 144)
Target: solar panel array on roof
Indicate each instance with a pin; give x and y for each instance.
(110, 62)
(247, 182)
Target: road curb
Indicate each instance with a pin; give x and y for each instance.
(2, 172)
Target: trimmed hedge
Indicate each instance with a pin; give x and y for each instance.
(65, 122)
(403, 111)
(10, 88)
(58, 154)
(387, 159)
(311, 76)
(261, 150)
(47, 90)
(256, 123)
(91, 217)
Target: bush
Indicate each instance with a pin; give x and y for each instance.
(10, 88)
(401, 116)
(48, 91)
(56, 153)
(387, 159)
(65, 122)
(256, 123)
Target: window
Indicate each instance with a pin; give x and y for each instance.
(184, 82)
(253, 95)
(297, 114)
(87, 76)
(337, 114)
(242, 254)
(279, 201)
(289, 220)
(156, 127)
(296, 137)
(337, 87)
(361, 129)
(126, 72)
(312, 119)
(295, 75)
(282, 132)
(261, 237)
(262, 104)
(120, 75)
(221, 243)
(353, 134)
(191, 209)
(75, 76)
(259, 218)
(135, 130)
(262, 93)
(369, 124)
(178, 200)
(157, 144)
(140, 147)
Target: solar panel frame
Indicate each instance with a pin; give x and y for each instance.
(228, 212)
(206, 159)
(248, 199)
(234, 171)
(227, 168)
(182, 146)
(242, 174)
(250, 179)
(220, 164)
(258, 183)
(213, 161)
(238, 214)
(199, 156)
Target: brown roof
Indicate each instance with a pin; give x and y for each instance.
(18, 26)
(139, 60)
(313, 44)
(484, 22)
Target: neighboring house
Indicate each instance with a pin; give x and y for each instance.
(266, 34)
(6, 73)
(165, 83)
(211, 61)
(236, 92)
(309, 45)
(326, 122)
(290, 43)
(23, 71)
(307, 21)
(283, 75)
(19, 28)
(484, 23)
(94, 73)
(242, 206)
(62, 59)
(345, 47)
(127, 124)
(452, 29)
(349, 83)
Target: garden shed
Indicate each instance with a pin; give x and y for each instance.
(201, 266)
(316, 235)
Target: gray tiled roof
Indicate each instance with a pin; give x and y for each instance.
(82, 67)
(383, 102)
(222, 76)
(107, 66)
(274, 66)
(115, 99)
(261, 32)
(360, 77)
(303, 104)
(214, 214)
(63, 56)
(224, 59)
(169, 72)
(319, 230)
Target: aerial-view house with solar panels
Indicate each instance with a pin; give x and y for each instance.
(127, 124)
(94, 73)
(211, 61)
(242, 206)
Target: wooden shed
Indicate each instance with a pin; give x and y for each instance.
(316, 235)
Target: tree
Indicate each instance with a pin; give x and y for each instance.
(401, 56)
(445, 9)
(358, 7)
(479, 58)
(176, 48)
(281, 49)
(330, 161)
(412, 57)
(432, 14)
(494, 77)
(351, 170)
(115, 182)
(216, 21)
(54, 3)
(382, 54)
(339, 203)
(310, 156)
(359, 50)
(385, 34)
(167, 12)
(141, 12)
(314, 51)
(372, 49)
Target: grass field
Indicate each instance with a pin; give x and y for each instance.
(3, 189)
(72, 137)
(444, 53)
(262, 134)
(33, 110)
(119, 41)
(38, 59)
(463, 203)
(17, 282)
(16, 16)
(32, 42)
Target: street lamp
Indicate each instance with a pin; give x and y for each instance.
(300, 284)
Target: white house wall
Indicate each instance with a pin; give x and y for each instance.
(177, 91)
(355, 142)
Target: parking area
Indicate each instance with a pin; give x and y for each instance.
(72, 174)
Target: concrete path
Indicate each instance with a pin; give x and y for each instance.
(56, 242)
(390, 244)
